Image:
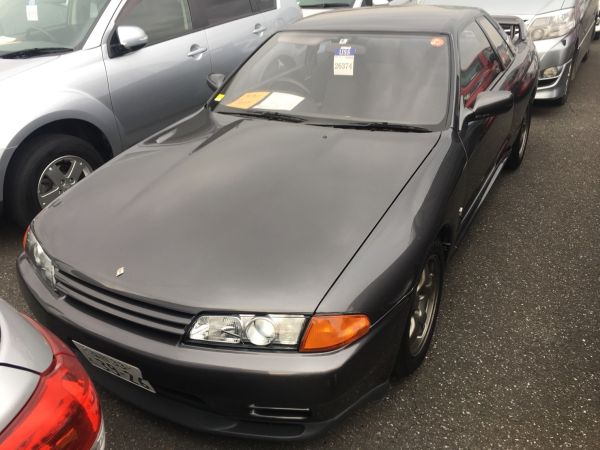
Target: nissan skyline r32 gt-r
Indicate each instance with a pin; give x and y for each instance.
(280, 254)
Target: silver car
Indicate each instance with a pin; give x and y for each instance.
(312, 7)
(39, 374)
(561, 29)
(82, 80)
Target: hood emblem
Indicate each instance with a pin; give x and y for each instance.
(120, 271)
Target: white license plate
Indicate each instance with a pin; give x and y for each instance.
(115, 367)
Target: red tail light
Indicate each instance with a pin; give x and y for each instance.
(63, 412)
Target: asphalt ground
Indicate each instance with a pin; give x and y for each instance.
(515, 361)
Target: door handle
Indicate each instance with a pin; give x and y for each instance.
(258, 29)
(195, 51)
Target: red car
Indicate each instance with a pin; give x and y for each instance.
(47, 400)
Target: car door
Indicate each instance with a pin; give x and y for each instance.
(233, 30)
(480, 70)
(152, 87)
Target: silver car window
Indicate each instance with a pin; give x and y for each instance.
(160, 19)
(28, 24)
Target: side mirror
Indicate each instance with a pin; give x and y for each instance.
(490, 104)
(132, 38)
(215, 81)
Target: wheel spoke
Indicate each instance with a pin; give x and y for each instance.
(75, 170)
(50, 196)
(54, 174)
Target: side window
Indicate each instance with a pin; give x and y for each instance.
(497, 40)
(209, 13)
(259, 6)
(479, 64)
(160, 19)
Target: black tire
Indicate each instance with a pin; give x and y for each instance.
(409, 359)
(519, 147)
(30, 161)
(563, 100)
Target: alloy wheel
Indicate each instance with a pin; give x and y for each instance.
(427, 296)
(59, 176)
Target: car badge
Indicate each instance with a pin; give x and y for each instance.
(120, 271)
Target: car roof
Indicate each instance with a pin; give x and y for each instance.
(413, 18)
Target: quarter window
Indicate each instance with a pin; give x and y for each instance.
(479, 63)
(160, 19)
(209, 13)
(259, 6)
(497, 40)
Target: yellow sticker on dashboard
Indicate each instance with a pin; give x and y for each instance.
(248, 100)
(219, 97)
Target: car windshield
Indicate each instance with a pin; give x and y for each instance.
(38, 27)
(345, 77)
(325, 3)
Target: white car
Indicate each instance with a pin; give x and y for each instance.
(311, 7)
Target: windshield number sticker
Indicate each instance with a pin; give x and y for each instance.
(31, 11)
(343, 61)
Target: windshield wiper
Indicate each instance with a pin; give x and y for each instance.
(376, 126)
(32, 52)
(269, 115)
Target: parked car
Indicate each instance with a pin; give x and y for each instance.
(562, 31)
(48, 400)
(281, 252)
(311, 7)
(80, 81)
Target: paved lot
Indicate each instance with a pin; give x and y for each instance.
(516, 359)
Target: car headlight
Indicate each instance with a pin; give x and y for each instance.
(248, 330)
(552, 25)
(38, 257)
(322, 334)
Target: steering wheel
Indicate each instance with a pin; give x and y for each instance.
(40, 30)
(295, 85)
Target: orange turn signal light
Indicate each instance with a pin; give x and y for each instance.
(325, 333)
(25, 238)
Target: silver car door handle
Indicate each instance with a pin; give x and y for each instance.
(197, 51)
(259, 29)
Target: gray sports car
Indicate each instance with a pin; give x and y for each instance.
(265, 265)
(47, 400)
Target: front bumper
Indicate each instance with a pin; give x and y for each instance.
(218, 390)
(555, 53)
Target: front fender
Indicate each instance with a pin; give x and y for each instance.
(21, 121)
(385, 268)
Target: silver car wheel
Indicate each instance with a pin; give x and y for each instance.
(524, 136)
(59, 176)
(426, 299)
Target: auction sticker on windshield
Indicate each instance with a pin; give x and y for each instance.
(343, 61)
(280, 101)
(248, 100)
(115, 367)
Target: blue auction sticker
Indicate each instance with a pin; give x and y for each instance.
(345, 51)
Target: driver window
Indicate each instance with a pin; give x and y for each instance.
(162, 20)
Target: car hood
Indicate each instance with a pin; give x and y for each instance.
(523, 9)
(253, 215)
(13, 67)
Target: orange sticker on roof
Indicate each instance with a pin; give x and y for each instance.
(438, 42)
(248, 100)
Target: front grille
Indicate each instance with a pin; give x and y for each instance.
(99, 301)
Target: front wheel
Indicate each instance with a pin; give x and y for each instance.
(518, 149)
(44, 168)
(423, 313)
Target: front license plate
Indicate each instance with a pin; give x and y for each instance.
(115, 367)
